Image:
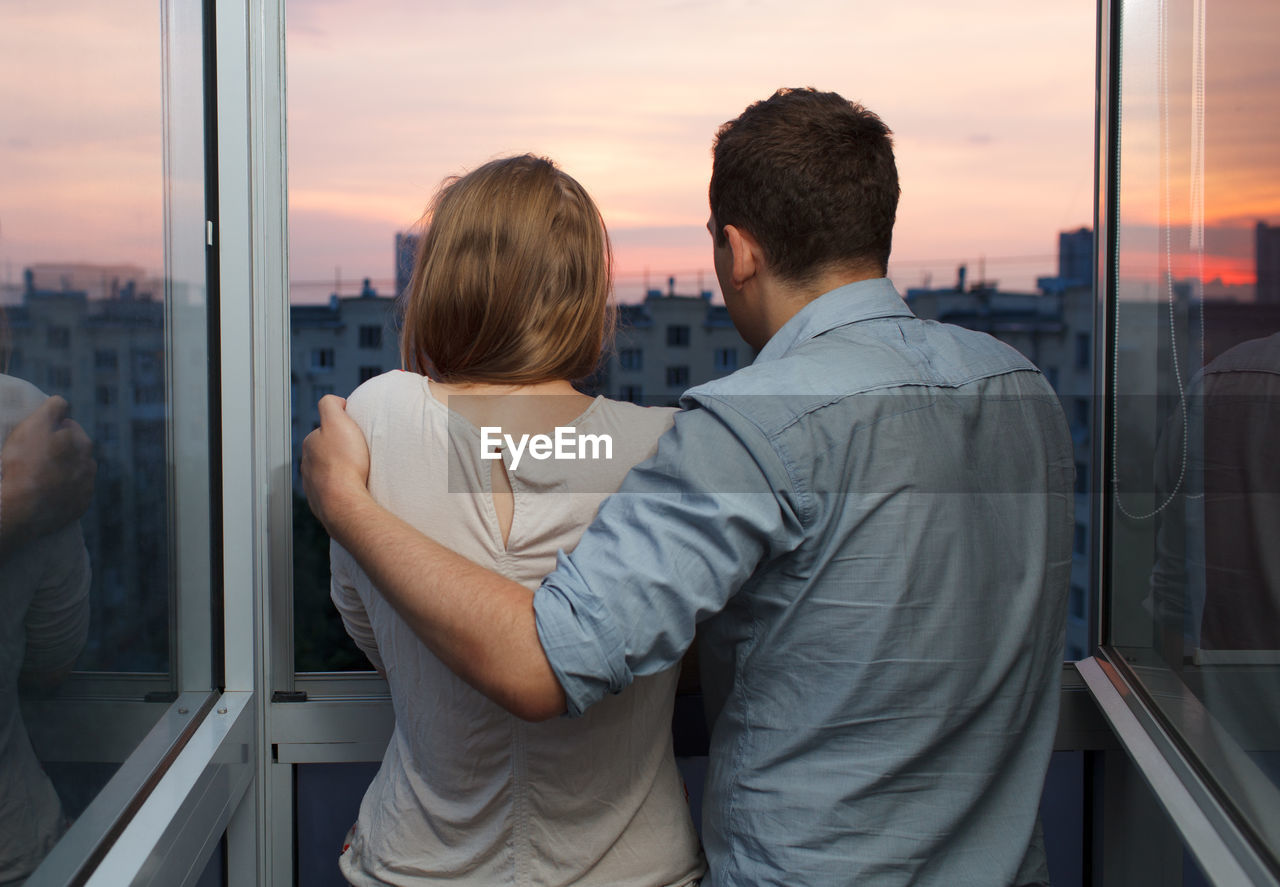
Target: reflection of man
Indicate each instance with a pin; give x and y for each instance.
(873, 519)
(46, 482)
(1217, 573)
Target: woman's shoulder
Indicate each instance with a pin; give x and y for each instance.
(393, 389)
(18, 399)
(633, 430)
(655, 420)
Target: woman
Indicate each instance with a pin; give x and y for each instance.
(509, 301)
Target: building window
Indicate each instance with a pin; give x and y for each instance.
(105, 359)
(1084, 353)
(726, 360)
(321, 358)
(367, 373)
(370, 337)
(1051, 374)
(59, 377)
(59, 337)
(631, 359)
(678, 377)
(678, 335)
(1075, 603)
(104, 433)
(1081, 545)
(104, 395)
(1081, 416)
(631, 393)
(145, 394)
(1082, 477)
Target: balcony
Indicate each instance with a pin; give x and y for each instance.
(210, 734)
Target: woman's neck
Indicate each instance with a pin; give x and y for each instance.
(523, 409)
(553, 386)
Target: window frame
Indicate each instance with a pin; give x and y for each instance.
(123, 707)
(1193, 801)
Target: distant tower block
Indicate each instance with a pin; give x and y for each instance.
(1267, 262)
(1075, 257)
(406, 252)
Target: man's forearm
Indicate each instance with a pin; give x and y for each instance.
(476, 621)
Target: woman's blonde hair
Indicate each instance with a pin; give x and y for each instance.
(511, 280)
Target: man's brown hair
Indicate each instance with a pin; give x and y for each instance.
(511, 281)
(811, 176)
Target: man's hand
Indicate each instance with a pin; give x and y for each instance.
(46, 475)
(335, 466)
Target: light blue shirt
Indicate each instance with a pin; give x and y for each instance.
(873, 522)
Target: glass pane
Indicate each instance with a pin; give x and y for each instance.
(102, 324)
(627, 98)
(1195, 607)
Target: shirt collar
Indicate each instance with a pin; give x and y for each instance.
(862, 300)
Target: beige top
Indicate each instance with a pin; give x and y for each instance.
(468, 794)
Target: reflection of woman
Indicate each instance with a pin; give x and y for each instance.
(46, 478)
(508, 303)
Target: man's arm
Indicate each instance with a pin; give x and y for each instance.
(479, 623)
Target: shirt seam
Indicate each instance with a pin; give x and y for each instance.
(803, 499)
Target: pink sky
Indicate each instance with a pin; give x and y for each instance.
(991, 102)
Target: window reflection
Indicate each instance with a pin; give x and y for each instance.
(1196, 506)
(102, 316)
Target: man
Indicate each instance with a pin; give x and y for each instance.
(871, 522)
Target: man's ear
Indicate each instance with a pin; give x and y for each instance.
(748, 259)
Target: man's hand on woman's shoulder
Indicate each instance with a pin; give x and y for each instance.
(335, 467)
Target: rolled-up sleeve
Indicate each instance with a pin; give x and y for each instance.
(686, 530)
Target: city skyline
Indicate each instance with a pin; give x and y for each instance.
(992, 107)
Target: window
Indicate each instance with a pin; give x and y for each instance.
(146, 364)
(1080, 542)
(1082, 478)
(1051, 375)
(1080, 416)
(1084, 353)
(632, 393)
(367, 373)
(321, 359)
(59, 337)
(678, 377)
(726, 360)
(631, 358)
(148, 394)
(678, 335)
(1193, 313)
(371, 337)
(114, 603)
(1075, 602)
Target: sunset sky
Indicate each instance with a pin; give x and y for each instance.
(991, 103)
